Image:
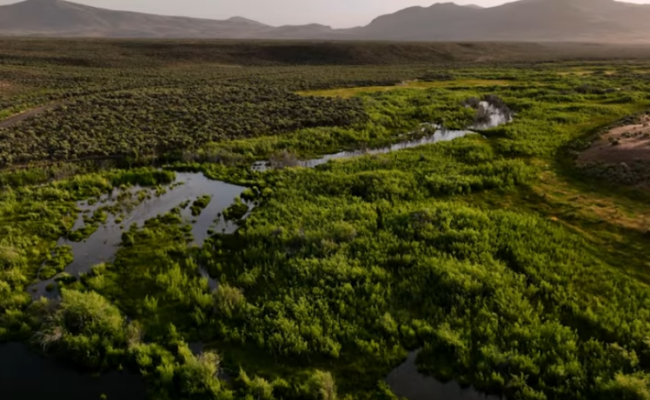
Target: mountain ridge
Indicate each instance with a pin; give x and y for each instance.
(524, 20)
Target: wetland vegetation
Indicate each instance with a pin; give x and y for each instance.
(305, 229)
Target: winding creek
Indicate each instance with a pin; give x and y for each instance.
(493, 117)
(26, 376)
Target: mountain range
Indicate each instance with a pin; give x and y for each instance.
(525, 20)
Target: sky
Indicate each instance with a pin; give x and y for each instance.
(336, 13)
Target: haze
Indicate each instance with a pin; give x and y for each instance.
(336, 13)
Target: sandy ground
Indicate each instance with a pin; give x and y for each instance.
(622, 144)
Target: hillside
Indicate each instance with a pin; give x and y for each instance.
(62, 18)
(525, 20)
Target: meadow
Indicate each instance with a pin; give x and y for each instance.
(512, 269)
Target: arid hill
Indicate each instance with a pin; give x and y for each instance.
(62, 18)
(526, 20)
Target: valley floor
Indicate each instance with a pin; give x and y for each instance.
(135, 236)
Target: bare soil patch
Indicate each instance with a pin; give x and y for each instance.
(620, 145)
(621, 155)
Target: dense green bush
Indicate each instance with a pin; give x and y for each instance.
(84, 327)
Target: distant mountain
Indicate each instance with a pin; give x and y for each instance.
(62, 18)
(525, 20)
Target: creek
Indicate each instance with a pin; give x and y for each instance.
(26, 376)
(491, 116)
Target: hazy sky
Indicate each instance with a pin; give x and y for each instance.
(337, 13)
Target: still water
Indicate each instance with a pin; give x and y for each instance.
(405, 381)
(25, 375)
(103, 244)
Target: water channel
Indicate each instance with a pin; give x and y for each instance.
(26, 376)
(492, 117)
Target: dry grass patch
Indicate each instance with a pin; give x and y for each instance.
(563, 200)
(584, 72)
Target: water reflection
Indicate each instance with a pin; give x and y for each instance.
(27, 376)
(405, 381)
(103, 244)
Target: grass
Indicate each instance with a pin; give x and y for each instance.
(614, 220)
(351, 92)
(589, 204)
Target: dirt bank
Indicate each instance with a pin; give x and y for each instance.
(621, 155)
(621, 144)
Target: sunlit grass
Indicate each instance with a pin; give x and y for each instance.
(351, 92)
